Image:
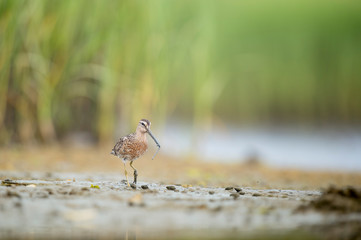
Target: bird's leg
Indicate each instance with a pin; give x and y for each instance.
(126, 174)
(135, 172)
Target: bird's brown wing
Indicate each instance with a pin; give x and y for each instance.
(122, 146)
(128, 148)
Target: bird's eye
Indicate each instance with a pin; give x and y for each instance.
(143, 124)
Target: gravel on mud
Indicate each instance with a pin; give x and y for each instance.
(80, 205)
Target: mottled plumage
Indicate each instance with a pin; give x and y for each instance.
(134, 145)
(129, 148)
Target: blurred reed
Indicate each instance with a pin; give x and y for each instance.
(83, 65)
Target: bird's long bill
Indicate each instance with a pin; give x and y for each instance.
(156, 142)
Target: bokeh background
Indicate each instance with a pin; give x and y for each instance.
(220, 80)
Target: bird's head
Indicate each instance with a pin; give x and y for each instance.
(144, 126)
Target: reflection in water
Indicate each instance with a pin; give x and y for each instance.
(282, 147)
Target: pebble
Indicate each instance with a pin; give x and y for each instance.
(238, 189)
(74, 191)
(217, 209)
(49, 190)
(211, 192)
(256, 194)
(234, 195)
(48, 174)
(63, 191)
(241, 193)
(41, 195)
(136, 200)
(18, 204)
(229, 188)
(144, 187)
(13, 194)
(132, 185)
(171, 188)
(274, 191)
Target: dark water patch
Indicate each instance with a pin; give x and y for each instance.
(342, 200)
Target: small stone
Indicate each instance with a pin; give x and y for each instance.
(234, 195)
(201, 207)
(144, 187)
(217, 209)
(41, 195)
(256, 194)
(31, 186)
(48, 175)
(241, 193)
(63, 191)
(50, 191)
(274, 191)
(171, 188)
(18, 204)
(211, 192)
(238, 189)
(13, 194)
(229, 188)
(133, 185)
(136, 200)
(73, 192)
(7, 182)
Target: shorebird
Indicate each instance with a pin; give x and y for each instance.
(134, 145)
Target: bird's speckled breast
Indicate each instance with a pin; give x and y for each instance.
(134, 150)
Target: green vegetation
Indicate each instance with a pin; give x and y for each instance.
(84, 65)
(94, 186)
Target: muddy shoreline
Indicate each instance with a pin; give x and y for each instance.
(87, 205)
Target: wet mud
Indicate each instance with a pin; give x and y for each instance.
(100, 206)
(336, 199)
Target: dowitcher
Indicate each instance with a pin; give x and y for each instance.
(134, 145)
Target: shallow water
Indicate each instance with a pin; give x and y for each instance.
(310, 149)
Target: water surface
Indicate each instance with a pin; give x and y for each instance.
(311, 149)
